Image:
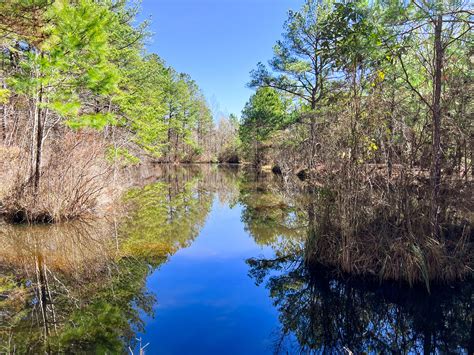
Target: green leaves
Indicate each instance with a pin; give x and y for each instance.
(263, 114)
(66, 109)
(122, 155)
(4, 96)
(71, 64)
(97, 121)
(89, 70)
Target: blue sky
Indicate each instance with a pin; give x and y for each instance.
(217, 42)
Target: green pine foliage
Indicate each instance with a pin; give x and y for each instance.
(84, 65)
(263, 114)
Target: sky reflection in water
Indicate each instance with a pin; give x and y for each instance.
(209, 261)
(207, 303)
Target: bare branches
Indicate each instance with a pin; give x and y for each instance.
(412, 87)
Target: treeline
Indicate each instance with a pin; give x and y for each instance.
(367, 82)
(78, 86)
(370, 102)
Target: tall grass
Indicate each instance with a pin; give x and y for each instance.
(365, 228)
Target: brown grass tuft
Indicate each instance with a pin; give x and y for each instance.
(73, 176)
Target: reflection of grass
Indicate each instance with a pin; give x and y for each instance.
(72, 248)
(95, 285)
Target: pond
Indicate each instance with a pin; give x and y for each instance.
(209, 260)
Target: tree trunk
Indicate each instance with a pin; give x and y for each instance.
(355, 117)
(471, 144)
(312, 131)
(436, 155)
(176, 148)
(4, 118)
(4, 124)
(390, 136)
(41, 293)
(39, 141)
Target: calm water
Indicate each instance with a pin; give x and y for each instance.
(208, 261)
(207, 303)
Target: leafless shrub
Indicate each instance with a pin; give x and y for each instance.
(73, 176)
(9, 157)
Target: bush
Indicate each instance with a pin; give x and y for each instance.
(73, 176)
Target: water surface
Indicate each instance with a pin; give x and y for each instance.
(209, 260)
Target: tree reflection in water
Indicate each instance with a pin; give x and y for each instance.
(322, 310)
(326, 314)
(81, 287)
(65, 290)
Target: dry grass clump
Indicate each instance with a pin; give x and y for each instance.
(9, 157)
(386, 233)
(424, 260)
(73, 176)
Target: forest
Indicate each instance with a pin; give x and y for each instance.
(352, 160)
(81, 97)
(371, 100)
(371, 103)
